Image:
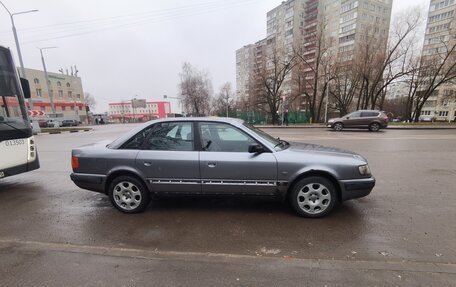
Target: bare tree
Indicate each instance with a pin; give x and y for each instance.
(195, 90)
(271, 75)
(316, 64)
(380, 68)
(226, 101)
(90, 101)
(436, 70)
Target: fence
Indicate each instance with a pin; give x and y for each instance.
(263, 118)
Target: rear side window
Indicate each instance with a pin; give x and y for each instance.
(369, 114)
(177, 136)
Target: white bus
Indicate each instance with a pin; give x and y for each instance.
(17, 146)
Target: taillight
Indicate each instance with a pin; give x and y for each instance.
(74, 162)
(386, 118)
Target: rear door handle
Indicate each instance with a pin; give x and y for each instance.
(211, 164)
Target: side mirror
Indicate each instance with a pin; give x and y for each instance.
(347, 118)
(26, 88)
(256, 148)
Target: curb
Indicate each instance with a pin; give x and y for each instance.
(62, 132)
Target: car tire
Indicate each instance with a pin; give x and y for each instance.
(338, 127)
(129, 194)
(313, 197)
(374, 127)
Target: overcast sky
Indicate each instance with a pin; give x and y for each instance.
(137, 47)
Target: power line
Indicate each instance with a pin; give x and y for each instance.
(138, 21)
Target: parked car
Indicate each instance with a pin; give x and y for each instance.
(49, 124)
(218, 156)
(70, 123)
(370, 119)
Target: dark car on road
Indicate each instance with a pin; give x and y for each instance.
(364, 119)
(70, 123)
(218, 156)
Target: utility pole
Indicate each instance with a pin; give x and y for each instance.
(18, 48)
(51, 96)
(326, 106)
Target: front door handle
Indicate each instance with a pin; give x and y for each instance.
(147, 163)
(211, 164)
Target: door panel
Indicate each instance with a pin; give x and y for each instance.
(170, 171)
(228, 168)
(238, 173)
(169, 159)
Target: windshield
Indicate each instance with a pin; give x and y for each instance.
(278, 144)
(13, 116)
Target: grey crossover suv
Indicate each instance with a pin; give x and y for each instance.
(218, 156)
(368, 119)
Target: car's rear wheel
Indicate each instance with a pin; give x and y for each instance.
(129, 194)
(338, 127)
(374, 127)
(313, 197)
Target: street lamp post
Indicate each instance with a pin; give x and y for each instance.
(19, 54)
(51, 96)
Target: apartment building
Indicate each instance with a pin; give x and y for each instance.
(440, 32)
(345, 26)
(66, 91)
(245, 60)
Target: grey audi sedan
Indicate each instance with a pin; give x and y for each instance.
(218, 156)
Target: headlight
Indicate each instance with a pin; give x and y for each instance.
(364, 170)
(331, 121)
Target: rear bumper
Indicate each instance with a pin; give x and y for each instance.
(92, 182)
(26, 167)
(356, 188)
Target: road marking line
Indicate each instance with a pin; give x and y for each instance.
(407, 266)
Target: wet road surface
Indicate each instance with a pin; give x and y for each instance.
(402, 234)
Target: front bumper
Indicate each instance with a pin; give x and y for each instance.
(92, 182)
(356, 188)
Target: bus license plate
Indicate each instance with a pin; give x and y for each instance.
(15, 142)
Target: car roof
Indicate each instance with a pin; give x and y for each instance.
(200, 119)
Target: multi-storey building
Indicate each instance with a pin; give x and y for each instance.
(66, 92)
(245, 60)
(440, 34)
(345, 26)
(124, 111)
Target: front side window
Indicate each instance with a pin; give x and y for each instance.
(354, 115)
(219, 137)
(176, 136)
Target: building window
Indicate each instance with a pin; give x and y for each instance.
(78, 96)
(72, 108)
(39, 93)
(60, 94)
(36, 81)
(42, 108)
(70, 94)
(80, 108)
(63, 108)
(68, 85)
(59, 84)
(443, 114)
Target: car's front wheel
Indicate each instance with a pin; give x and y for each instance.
(313, 197)
(338, 127)
(128, 194)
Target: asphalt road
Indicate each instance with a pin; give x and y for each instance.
(404, 234)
